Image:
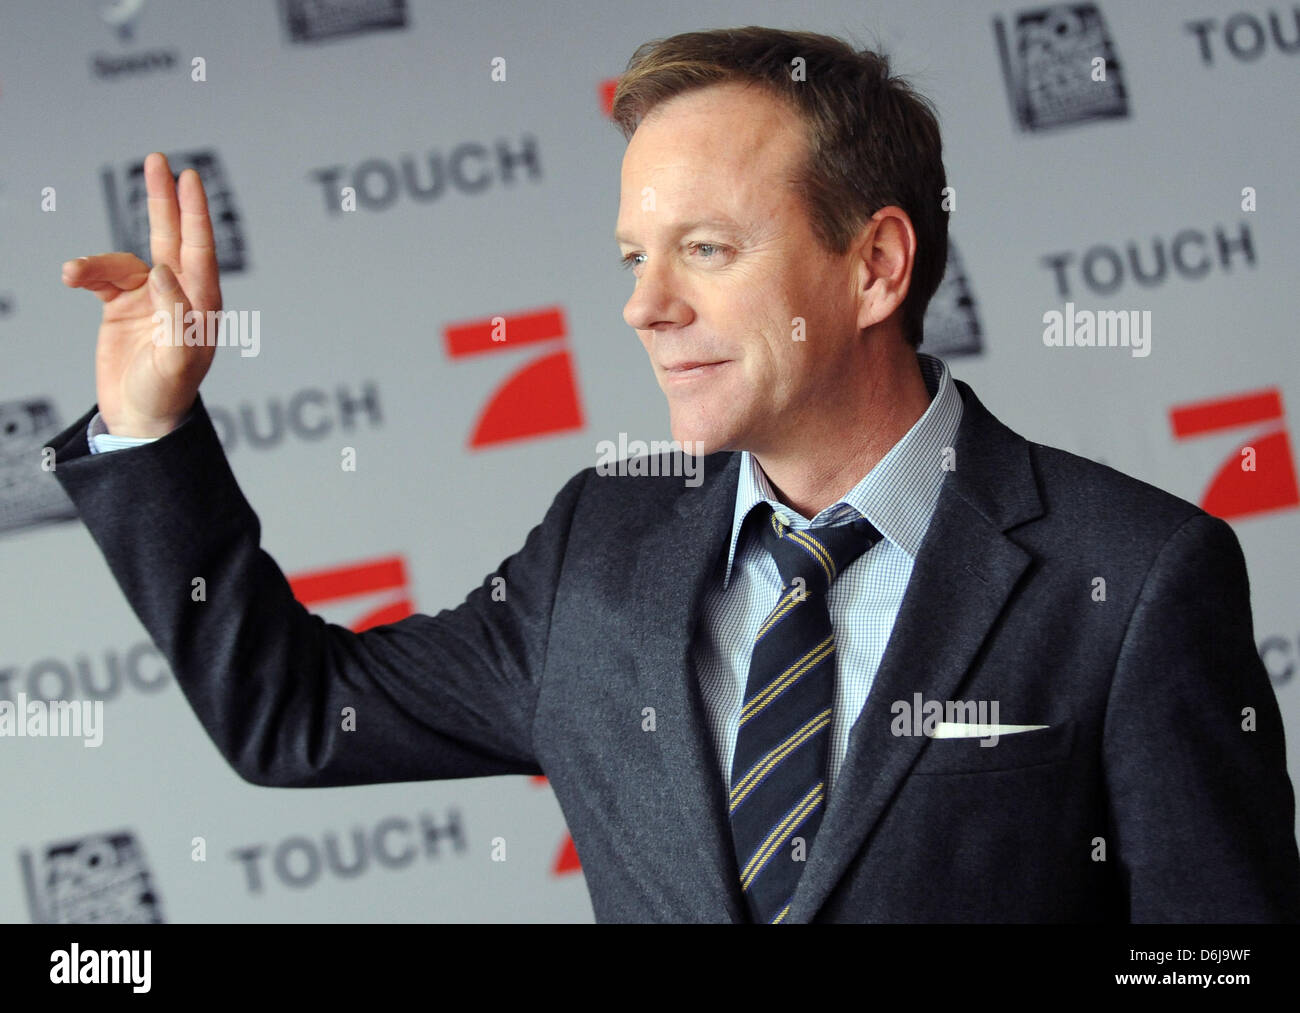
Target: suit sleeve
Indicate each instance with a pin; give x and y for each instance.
(1202, 809)
(444, 696)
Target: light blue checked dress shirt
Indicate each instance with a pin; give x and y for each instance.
(898, 496)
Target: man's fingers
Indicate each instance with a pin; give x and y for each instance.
(198, 249)
(165, 288)
(164, 212)
(166, 293)
(125, 270)
(171, 359)
(174, 359)
(106, 291)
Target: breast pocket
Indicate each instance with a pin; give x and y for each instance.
(1012, 752)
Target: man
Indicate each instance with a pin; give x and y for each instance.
(863, 672)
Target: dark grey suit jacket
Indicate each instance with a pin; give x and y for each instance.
(1144, 799)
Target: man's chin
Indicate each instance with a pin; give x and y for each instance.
(700, 440)
(703, 427)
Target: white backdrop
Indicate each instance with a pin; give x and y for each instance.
(1168, 187)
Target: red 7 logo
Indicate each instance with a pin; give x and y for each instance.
(607, 88)
(539, 398)
(354, 581)
(380, 575)
(566, 856)
(1236, 491)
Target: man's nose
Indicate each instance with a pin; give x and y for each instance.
(655, 302)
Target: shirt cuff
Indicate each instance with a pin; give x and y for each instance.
(102, 441)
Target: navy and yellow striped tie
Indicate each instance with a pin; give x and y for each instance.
(780, 767)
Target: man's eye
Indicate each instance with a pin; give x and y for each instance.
(708, 251)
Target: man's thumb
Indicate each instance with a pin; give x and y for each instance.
(172, 315)
(164, 289)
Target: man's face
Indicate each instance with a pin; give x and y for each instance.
(725, 260)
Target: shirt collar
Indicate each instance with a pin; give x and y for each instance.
(898, 495)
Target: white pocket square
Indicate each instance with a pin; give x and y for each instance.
(957, 730)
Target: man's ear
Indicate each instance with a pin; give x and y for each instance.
(885, 252)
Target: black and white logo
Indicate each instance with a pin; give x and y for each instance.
(316, 20)
(123, 17)
(952, 325)
(29, 493)
(99, 878)
(1060, 67)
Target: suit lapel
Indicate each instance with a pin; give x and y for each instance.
(964, 572)
(680, 551)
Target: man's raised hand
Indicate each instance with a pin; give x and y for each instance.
(146, 387)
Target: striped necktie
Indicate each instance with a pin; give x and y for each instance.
(779, 769)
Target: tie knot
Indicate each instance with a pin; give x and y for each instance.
(817, 555)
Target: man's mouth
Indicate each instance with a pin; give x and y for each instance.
(692, 369)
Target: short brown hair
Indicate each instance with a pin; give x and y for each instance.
(872, 140)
